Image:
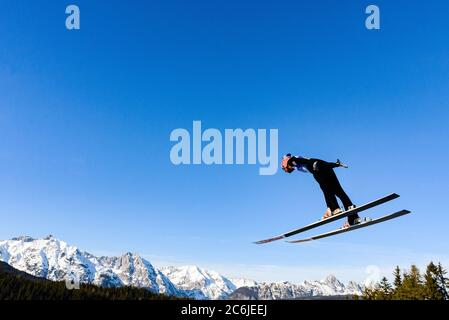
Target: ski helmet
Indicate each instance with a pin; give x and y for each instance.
(286, 166)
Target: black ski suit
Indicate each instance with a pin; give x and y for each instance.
(324, 174)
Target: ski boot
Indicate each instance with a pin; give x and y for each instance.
(356, 222)
(330, 213)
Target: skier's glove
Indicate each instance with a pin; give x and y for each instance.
(340, 164)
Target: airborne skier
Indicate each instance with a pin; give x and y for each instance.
(324, 174)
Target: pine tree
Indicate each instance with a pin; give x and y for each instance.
(369, 293)
(412, 287)
(385, 290)
(442, 281)
(397, 277)
(397, 294)
(432, 289)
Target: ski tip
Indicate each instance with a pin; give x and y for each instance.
(269, 240)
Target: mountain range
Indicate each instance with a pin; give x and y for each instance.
(56, 260)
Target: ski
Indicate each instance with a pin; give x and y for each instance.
(333, 218)
(363, 224)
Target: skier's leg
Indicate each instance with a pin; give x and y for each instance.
(329, 197)
(340, 193)
(335, 186)
(321, 176)
(347, 204)
(331, 202)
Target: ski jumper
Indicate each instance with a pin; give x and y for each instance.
(324, 174)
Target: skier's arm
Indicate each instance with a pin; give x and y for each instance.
(335, 164)
(314, 163)
(302, 161)
(331, 165)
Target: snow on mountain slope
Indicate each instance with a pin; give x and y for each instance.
(239, 282)
(329, 286)
(202, 284)
(55, 260)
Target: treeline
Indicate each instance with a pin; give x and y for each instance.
(18, 287)
(412, 285)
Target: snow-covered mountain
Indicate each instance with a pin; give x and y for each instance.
(56, 260)
(202, 284)
(329, 286)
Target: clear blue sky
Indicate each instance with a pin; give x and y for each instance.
(85, 119)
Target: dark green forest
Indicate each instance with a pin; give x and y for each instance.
(412, 285)
(17, 285)
(406, 285)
